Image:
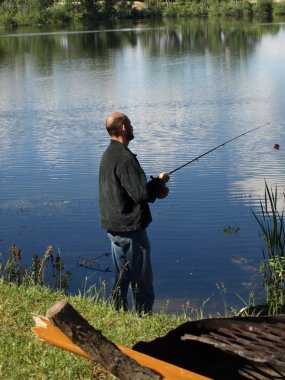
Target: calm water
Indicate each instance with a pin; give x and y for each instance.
(187, 87)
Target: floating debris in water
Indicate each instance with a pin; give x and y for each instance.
(244, 263)
(229, 230)
(276, 146)
(247, 285)
(239, 260)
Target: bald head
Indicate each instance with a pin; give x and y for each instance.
(114, 121)
(119, 127)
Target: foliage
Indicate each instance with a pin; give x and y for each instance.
(231, 8)
(272, 231)
(33, 12)
(263, 8)
(123, 8)
(107, 8)
(153, 8)
(191, 9)
(208, 8)
(7, 13)
(279, 9)
(90, 9)
(59, 14)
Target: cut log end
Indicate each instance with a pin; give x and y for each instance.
(94, 344)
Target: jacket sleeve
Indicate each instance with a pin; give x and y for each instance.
(133, 180)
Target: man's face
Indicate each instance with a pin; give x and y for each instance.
(129, 130)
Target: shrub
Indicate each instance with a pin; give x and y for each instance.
(247, 8)
(171, 10)
(279, 9)
(58, 14)
(8, 10)
(28, 16)
(231, 9)
(123, 8)
(263, 8)
(154, 8)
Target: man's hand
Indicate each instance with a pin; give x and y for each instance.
(157, 188)
(164, 177)
(163, 192)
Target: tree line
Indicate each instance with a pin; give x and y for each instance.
(35, 12)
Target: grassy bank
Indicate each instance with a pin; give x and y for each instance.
(22, 356)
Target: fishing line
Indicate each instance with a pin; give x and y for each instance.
(217, 147)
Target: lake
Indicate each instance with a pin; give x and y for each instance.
(187, 87)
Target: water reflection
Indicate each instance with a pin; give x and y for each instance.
(187, 87)
(195, 36)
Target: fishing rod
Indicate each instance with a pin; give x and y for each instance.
(217, 147)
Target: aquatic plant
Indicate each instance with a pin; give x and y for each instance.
(272, 231)
(230, 229)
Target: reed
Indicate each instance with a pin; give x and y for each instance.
(272, 231)
(48, 270)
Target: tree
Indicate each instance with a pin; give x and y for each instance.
(123, 8)
(90, 8)
(107, 8)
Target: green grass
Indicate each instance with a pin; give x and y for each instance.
(22, 356)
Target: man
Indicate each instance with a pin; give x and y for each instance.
(124, 194)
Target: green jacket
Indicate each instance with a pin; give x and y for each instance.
(123, 191)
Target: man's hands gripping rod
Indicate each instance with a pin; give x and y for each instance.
(157, 187)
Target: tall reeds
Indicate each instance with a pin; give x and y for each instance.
(272, 231)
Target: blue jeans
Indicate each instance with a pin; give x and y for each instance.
(131, 258)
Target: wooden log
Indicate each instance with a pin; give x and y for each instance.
(91, 341)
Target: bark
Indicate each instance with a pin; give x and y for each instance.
(91, 341)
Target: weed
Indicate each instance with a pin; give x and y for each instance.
(223, 292)
(48, 270)
(250, 308)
